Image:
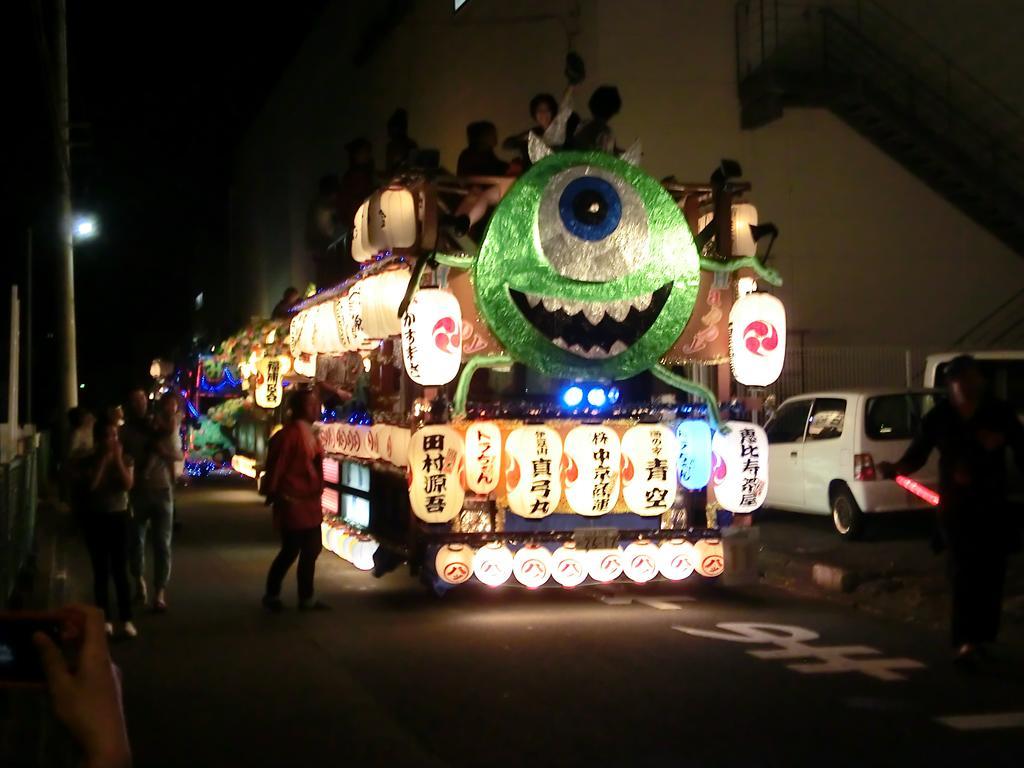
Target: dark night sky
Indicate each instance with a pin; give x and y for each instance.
(160, 96)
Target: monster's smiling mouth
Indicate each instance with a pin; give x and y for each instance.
(592, 329)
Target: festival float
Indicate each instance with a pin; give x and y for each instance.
(522, 411)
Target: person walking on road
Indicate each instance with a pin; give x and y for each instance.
(971, 430)
(293, 485)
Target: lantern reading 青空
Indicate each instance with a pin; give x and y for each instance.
(649, 469)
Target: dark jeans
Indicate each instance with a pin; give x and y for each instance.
(106, 536)
(977, 575)
(304, 544)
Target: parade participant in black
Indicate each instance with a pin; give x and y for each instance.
(971, 430)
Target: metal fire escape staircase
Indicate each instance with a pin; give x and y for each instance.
(877, 74)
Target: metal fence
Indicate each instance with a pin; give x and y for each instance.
(19, 491)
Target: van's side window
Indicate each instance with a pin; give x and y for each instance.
(789, 422)
(827, 417)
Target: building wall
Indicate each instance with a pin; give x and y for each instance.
(870, 255)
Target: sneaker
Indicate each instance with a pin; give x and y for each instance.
(313, 605)
(130, 630)
(141, 592)
(273, 604)
(109, 629)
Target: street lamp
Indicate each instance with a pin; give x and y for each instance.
(85, 227)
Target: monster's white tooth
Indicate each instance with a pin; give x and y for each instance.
(642, 302)
(533, 299)
(619, 309)
(560, 343)
(551, 304)
(593, 312)
(572, 307)
(617, 348)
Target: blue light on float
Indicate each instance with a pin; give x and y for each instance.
(694, 437)
(613, 395)
(573, 396)
(597, 397)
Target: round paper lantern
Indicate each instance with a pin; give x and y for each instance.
(437, 459)
(333, 539)
(483, 456)
(382, 295)
(454, 563)
(606, 564)
(593, 460)
(640, 561)
(398, 444)
(744, 216)
(432, 337)
(269, 374)
(710, 560)
(694, 436)
(532, 565)
(757, 339)
(301, 333)
(324, 529)
(305, 364)
(676, 559)
(327, 338)
(349, 310)
(533, 456)
(492, 564)
(569, 565)
(740, 467)
(363, 551)
(392, 219)
(362, 249)
(649, 453)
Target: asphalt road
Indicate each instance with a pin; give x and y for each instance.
(394, 676)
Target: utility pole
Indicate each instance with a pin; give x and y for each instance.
(28, 330)
(66, 260)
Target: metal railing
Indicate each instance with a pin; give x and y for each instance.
(18, 498)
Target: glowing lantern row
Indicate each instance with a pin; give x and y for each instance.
(300, 335)
(437, 458)
(710, 557)
(532, 565)
(454, 563)
(357, 549)
(593, 460)
(649, 469)
(569, 565)
(381, 296)
(362, 249)
(349, 314)
(327, 337)
(739, 473)
(492, 564)
(757, 339)
(432, 337)
(392, 219)
(270, 372)
(694, 436)
(676, 559)
(347, 440)
(393, 444)
(605, 564)
(640, 561)
(483, 456)
(533, 459)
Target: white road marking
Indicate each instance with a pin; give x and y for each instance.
(667, 603)
(989, 722)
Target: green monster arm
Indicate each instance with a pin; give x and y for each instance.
(690, 387)
(455, 261)
(766, 273)
(474, 364)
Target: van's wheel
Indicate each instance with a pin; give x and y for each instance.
(846, 514)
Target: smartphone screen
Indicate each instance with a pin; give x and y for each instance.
(19, 659)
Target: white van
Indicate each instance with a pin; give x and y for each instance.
(824, 446)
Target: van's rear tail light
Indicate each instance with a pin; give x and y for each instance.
(864, 467)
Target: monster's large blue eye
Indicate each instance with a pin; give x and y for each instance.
(590, 208)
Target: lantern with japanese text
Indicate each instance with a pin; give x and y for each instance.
(350, 319)
(640, 561)
(396, 445)
(694, 436)
(605, 564)
(593, 459)
(301, 333)
(492, 564)
(432, 337)
(569, 565)
(676, 559)
(533, 456)
(392, 219)
(532, 565)
(270, 372)
(362, 249)
(757, 339)
(710, 560)
(382, 295)
(327, 337)
(483, 456)
(437, 460)
(649, 469)
(740, 467)
(454, 563)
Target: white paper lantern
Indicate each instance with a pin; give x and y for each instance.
(454, 563)
(744, 215)
(694, 436)
(757, 339)
(710, 560)
(569, 565)
(362, 249)
(398, 445)
(533, 457)
(333, 539)
(492, 564)
(432, 337)
(362, 553)
(392, 219)
(381, 296)
(676, 559)
(301, 334)
(606, 564)
(327, 337)
(305, 364)
(649, 454)
(592, 467)
(483, 456)
(347, 546)
(437, 458)
(640, 561)
(269, 381)
(740, 477)
(531, 565)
